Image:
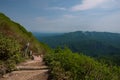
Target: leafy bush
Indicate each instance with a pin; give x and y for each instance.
(9, 53)
(66, 65)
(8, 48)
(10, 65)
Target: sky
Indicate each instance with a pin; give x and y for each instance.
(64, 15)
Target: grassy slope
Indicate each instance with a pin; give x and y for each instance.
(18, 32)
(13, 40)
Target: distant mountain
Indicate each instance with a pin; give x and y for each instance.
(90, 43)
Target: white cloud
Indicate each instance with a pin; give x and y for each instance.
(57, 8)
(88, 4)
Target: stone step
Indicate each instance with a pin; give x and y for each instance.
(31, 67)
(23, 74)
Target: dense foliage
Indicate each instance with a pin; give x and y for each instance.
(8, 48)
(66, 65)
(10, 54)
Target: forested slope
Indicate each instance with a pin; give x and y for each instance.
(90, 43)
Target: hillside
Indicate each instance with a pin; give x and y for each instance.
(16, 31)
(16, 45)
(90, 43)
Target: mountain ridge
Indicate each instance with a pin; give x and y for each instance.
(95, 43)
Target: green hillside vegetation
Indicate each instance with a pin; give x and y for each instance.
(13, 41)
(9, 54)
(66, 65)
(19, 33)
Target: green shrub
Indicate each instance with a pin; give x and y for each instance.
(65, 65)
(8, 48)
(10, 54)
(10, 65)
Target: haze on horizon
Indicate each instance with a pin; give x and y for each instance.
(64, 15)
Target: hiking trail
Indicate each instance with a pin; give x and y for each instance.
(29, 70)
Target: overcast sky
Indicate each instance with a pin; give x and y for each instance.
(64, 15)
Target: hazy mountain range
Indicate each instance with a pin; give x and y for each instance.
(90, 43)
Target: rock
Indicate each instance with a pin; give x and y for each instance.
(5, 76)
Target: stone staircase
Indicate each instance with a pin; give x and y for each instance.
(29, 70)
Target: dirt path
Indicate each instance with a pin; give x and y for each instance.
(29, 70)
